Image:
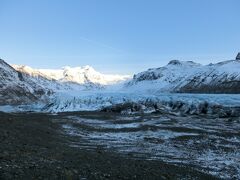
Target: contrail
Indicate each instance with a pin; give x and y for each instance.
(101, 44)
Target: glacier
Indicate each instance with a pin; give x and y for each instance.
(178, 87)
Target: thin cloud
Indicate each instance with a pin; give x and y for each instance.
(101, 44)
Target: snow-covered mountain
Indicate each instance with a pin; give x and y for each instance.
(83, 88)
(176, 76)
(84, 76)
(25, 85)
(18, 88)
(53, 83)
(189, 77)
(165, 88)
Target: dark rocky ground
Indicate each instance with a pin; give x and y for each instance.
(33, 146)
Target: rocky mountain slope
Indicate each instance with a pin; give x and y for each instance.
(18, 88)
(25, 85)
(189, 77)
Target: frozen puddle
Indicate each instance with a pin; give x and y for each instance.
(208, 144)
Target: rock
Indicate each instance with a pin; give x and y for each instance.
(238, 56)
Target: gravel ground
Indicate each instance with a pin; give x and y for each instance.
(34, 146)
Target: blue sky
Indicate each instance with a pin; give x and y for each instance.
(118, 36)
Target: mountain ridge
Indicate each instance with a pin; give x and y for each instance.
(189, 77)
(17, 88)
(78, 75)
(25, 85)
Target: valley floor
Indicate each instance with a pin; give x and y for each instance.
(36, 146)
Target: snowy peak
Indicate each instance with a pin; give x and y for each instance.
(81, 75)
(78, 75)
(183, 63)
(27, 70)
(87, 74)
(190, 77)
(174, 70)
